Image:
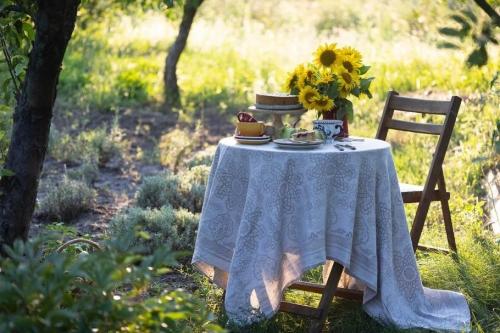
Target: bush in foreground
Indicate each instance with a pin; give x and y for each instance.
(67, 200)
(101, 291)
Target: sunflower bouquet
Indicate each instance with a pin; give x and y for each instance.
(326, 84)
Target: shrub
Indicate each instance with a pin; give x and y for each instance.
(103, 144)
(95, 292)
(67, 200)
(64, 148)
(88, 173)
(176, 145)
(202, 157)
(187, 225)
(156, 227)
(192, 187)
(158, 191)
(99, 145)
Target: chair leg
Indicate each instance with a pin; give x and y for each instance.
(326, 299)
(450, 235)
(445, 208)
(418, 222)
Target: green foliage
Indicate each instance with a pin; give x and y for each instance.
(192, 187)
(87, 173)
(101, 291)
(56, 234)
(156, 227)
(176, 146)
(157, 191)
(187, 225)
(16, 36)
(201, 157)
(99, 145)
(134, 84)
(185, 189)
(468, 27)
(207, 86)
(476, 274)
(67, 200)
(5, 126)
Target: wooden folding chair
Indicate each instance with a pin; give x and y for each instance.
(424, 195)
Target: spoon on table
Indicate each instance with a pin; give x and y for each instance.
(348, 146)
(339, 147)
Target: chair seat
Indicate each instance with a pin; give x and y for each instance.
(413, 193)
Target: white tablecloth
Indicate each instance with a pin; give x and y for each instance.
(271, 214)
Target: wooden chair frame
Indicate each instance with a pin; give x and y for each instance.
(435, 176)
(328, 291)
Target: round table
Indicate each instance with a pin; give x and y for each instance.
(270, 214)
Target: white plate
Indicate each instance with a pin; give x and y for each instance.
(286, 143)
(252, 142)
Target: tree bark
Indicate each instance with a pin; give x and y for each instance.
(172, 94)
(54, 22)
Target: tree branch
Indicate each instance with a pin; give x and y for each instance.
(8, 59)
(489, 10)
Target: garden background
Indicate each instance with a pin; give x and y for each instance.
(119, 159)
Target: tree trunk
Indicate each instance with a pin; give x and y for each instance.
(172, 95)
(54, 22)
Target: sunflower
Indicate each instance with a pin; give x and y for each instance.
(307, 96)
(351, 59)
(348, 81)
(291, 81)
(323, 103)
(325, 77)
(308, 75)
(327, 56)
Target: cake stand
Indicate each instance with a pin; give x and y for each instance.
(277, 114)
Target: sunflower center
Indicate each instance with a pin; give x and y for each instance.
(348, 66)
(309, 97)
(327, 58)
(347, 78)
(322, 102)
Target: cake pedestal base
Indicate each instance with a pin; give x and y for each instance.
(277, 116)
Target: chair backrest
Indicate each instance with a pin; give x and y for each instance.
(448, 109)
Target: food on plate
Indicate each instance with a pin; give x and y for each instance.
(304, 136)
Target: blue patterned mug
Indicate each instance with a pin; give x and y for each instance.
(330, 128)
